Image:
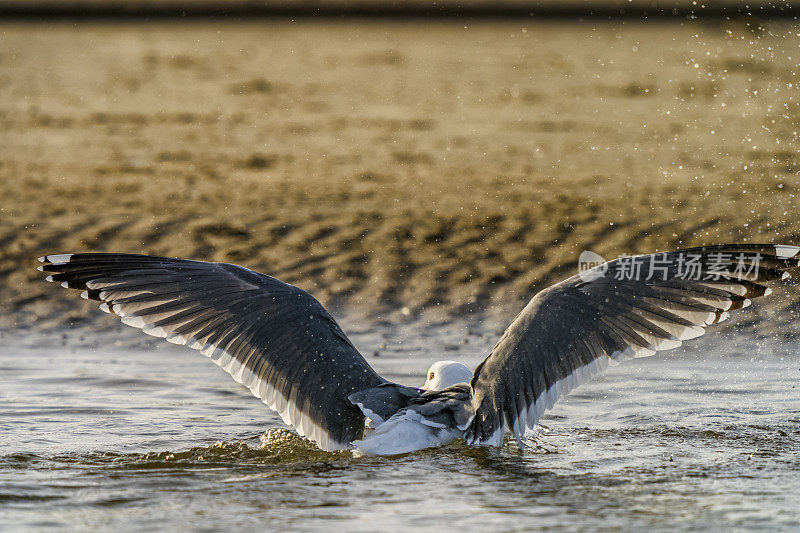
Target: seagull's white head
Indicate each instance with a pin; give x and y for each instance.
(443, 374)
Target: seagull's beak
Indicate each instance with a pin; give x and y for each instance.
(427, 384)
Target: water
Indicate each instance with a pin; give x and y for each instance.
(134, 435)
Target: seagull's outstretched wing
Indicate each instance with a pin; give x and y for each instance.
(272, 337)
(629, 307)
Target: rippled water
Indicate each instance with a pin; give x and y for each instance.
(138, 436)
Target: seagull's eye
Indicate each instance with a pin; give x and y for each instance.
(430, 376)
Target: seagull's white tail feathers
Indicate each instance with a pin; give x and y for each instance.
(406, 432)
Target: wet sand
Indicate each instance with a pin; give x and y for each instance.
(397, 171)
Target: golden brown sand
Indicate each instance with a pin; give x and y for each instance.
(443, 168)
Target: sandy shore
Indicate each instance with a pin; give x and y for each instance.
(445, 169)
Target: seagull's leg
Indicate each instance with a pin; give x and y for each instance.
(521, 446)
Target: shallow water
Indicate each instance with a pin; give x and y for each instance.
(134, 435)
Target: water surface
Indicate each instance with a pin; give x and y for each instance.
(139, 435)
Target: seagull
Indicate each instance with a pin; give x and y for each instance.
(280, 342)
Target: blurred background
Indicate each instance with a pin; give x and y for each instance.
(573, 8)
(397, 167)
